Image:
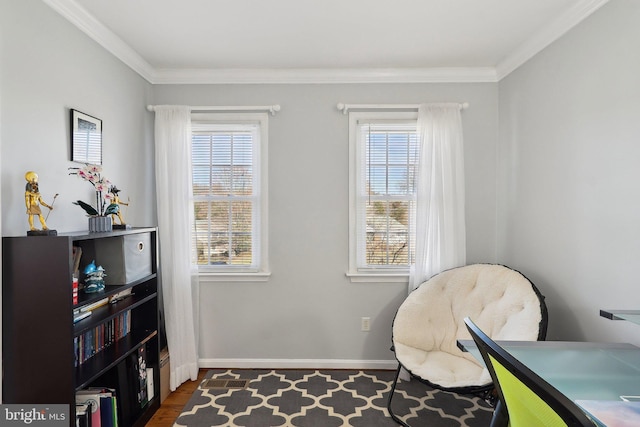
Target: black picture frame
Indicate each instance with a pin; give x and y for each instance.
(86, 138)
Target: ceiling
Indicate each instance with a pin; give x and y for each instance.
(295, 41)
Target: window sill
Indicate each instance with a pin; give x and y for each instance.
(360, 277)
(206, 277)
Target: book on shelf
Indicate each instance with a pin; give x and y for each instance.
(142, 376)
(83, 415)
(76, 254)
(106, 403)
(92, 399)
(100, 337)
(150, 384)
(94, 305)
(120, 296)
(108, 408)
(74, 284)
(80, 315)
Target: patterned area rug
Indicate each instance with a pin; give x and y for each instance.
(325, 398)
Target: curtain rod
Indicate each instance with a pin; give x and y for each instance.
(346, 107)
(273, 109)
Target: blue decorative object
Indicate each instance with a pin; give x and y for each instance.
(94, 281)
(90, 268)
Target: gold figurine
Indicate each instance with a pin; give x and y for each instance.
(33, 200)
(115, 200)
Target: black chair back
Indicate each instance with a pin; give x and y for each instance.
(529, 399)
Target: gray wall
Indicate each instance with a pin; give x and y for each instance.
(569, 198)
(552, 189)
(48, 66)
(309, 309)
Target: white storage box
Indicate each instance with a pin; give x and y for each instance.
(124, 258)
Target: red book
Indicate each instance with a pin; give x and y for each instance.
(75, 290)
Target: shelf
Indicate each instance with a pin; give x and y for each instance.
(109, 311)
(86, 299)
(85, 235)
(148, 412)
(109, 357)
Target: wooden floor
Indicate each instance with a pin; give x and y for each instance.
(173, 404)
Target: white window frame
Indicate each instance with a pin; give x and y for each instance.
(356, 163)
(261, 272)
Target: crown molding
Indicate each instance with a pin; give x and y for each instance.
(88, 24)
(547, 35)
(322, 76)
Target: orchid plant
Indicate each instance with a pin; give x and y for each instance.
(93, 175)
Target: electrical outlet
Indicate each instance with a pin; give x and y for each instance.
(365, 324)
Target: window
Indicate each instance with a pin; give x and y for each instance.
(229, 191)
(383, 160)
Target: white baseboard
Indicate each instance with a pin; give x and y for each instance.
(298, 364)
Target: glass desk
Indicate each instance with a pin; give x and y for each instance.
(580, 370)
(628, 315)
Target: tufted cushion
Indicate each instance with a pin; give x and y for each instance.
(501, 301)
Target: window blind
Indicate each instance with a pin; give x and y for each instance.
(388, 152)
(226, 194)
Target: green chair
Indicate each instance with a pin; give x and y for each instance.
(529, 400)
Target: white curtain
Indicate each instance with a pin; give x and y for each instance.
(440, 219)
(175, 222)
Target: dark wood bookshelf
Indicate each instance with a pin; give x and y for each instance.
(39, 354)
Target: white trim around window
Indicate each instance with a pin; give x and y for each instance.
(258, 270)
(359, 272)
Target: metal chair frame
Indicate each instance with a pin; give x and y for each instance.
(485, 392)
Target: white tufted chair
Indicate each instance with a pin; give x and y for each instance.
(502, 302)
